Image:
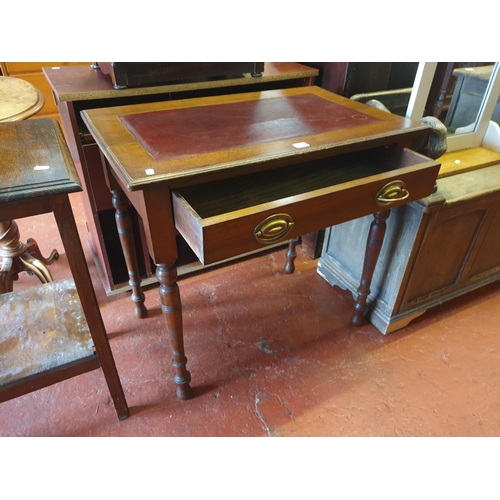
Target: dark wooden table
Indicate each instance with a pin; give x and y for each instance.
(236, 173)
(82, 87)
(53, 331)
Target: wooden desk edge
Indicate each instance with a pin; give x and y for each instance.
(307, 72)
(468, 160)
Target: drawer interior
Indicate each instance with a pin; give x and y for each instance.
(228, 195)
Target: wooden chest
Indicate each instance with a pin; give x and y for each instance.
(146, 74)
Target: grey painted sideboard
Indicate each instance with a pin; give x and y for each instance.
(435, 249)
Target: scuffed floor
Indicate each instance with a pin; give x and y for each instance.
(274, 355)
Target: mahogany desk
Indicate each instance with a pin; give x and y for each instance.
(235, 173)
(82, 87)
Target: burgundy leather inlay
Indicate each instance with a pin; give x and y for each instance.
(177, 133)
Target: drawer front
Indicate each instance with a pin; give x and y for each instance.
(234, 233)
(18, 68)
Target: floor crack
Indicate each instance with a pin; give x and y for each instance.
(273, 412)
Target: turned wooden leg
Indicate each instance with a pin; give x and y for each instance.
(16, 257)
(373, 246)
(291, 254)
(126, 234)
(171, 306)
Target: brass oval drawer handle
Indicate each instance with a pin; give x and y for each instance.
(273, 228)
(391, 193)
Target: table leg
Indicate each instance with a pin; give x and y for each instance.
(16, 256)
(373, 246)
(76, 259)
(291, 254)
(172, 309)
(126, 234)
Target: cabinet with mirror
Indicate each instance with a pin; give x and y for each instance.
(448, 243)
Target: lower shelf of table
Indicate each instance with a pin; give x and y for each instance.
(44, 331)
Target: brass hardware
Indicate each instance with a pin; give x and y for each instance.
(273, 228)
(391, 193)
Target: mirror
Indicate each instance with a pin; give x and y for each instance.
(457, 93)
(463, 96)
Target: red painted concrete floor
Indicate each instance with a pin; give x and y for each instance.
(274, 355)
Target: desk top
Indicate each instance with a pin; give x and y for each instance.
(81, 83)
(195, 140)
(34, 161)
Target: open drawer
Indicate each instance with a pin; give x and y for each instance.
(230, 217)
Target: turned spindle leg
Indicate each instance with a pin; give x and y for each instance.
(16, 257)
(171, 306)
(291, 254)
(373, 246)
(126, 234)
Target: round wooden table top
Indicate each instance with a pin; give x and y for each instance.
(18, 99)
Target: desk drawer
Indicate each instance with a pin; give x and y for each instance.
(230, 217)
